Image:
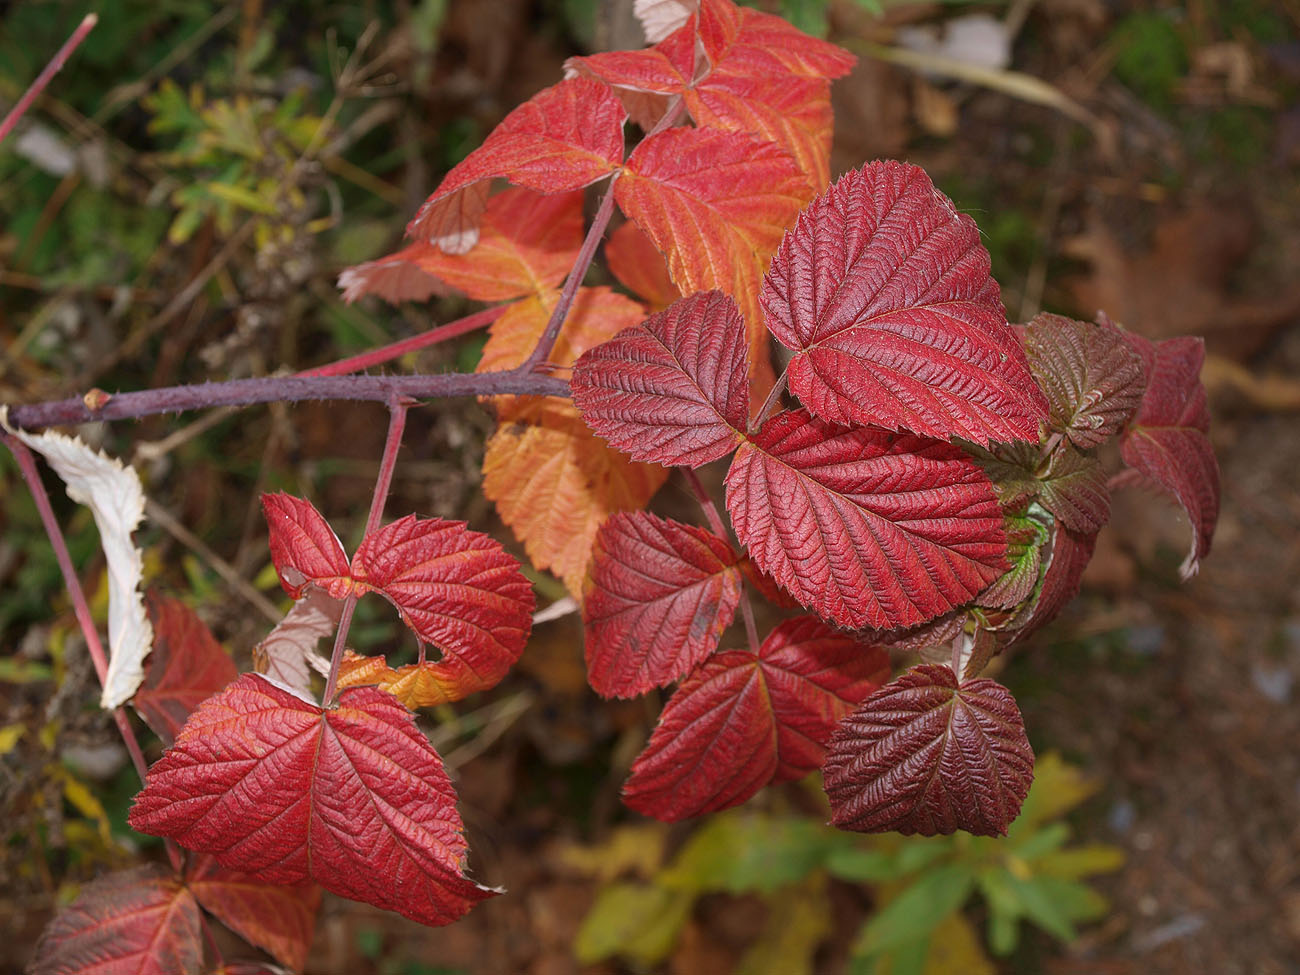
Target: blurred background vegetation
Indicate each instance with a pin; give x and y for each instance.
(177, 208)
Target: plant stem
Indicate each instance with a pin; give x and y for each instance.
(397, 407)
(60, 58)
(392, 351)
(770, 404)
(571, 284)
(715, 522)
(287, 389)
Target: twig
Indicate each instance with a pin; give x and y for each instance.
(288, 389)
(50, 70)
(394, 350)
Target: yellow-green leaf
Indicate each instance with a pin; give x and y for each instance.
(638, 922)
(799, 921)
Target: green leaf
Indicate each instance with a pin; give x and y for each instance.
(1049, 838)
(918, 910)
(863, 866)
(1081, 861)
(636, 921)
(1057, 789)
(743, 852)
(798, 922)
(1037, 903)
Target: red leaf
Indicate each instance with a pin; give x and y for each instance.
(354, 798)
(883, 292)
(139, 921)
(740, 722)
(632, 258)
(927, 755)
(865, 527)
(672, 390)
(661, 595)
(1092, 378)
(742, 41)
(280, 920)
(715, 205)
(1167, 444)
(457, 589)
(185, 667)
(304, 548)
(527, 243)
(563, 138)
(288, 654)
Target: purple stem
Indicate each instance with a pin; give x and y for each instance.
(285, 389)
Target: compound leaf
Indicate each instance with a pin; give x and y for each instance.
(278, 919)
(526, 245)
(882, 290)
(661, 594)
(1092, 378)
(928, 755)
(186, 666)
(457, 589)
(741, 721)
(672, 390)
(1167, 444)
(354, 798)
(140, 921)
(563, 138)
(865, 527)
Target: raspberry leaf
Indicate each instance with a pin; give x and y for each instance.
(304, 548)
(865, 527)
(527, 242)
(288, 654)
(926, 754)
(278, 919)
(185, 667)
(660, 597)
(1167, 444)
(563, 138)
(632, 258)
(1070, 484)
(672, 390)
(740, 722)
(882, 290)
(140, 921)
(1092, 378)
(354, 798)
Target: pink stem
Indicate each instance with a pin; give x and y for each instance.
(279, 389)
(392, 351)
(43, 79)
(392, 443)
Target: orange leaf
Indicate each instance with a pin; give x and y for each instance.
(527, 243)
(716, 205)
(632, 258)
(554, 483)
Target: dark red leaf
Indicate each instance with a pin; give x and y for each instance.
(1092, 378)
(883, 292)
(740, 722)
(563, 138)
(354, 798)
(139, 921)
(661, 595)
(185, 667)
(304, 548)
(673, 390)
(458, 589)
(1069, 556)
(1069, 484)
(1167, 444)
(927, 755)
(865, 527)
(280, 920)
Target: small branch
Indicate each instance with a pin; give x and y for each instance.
(392, 444)
(287, 389)
(585, 256)
(44, 78)
(394, 350)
